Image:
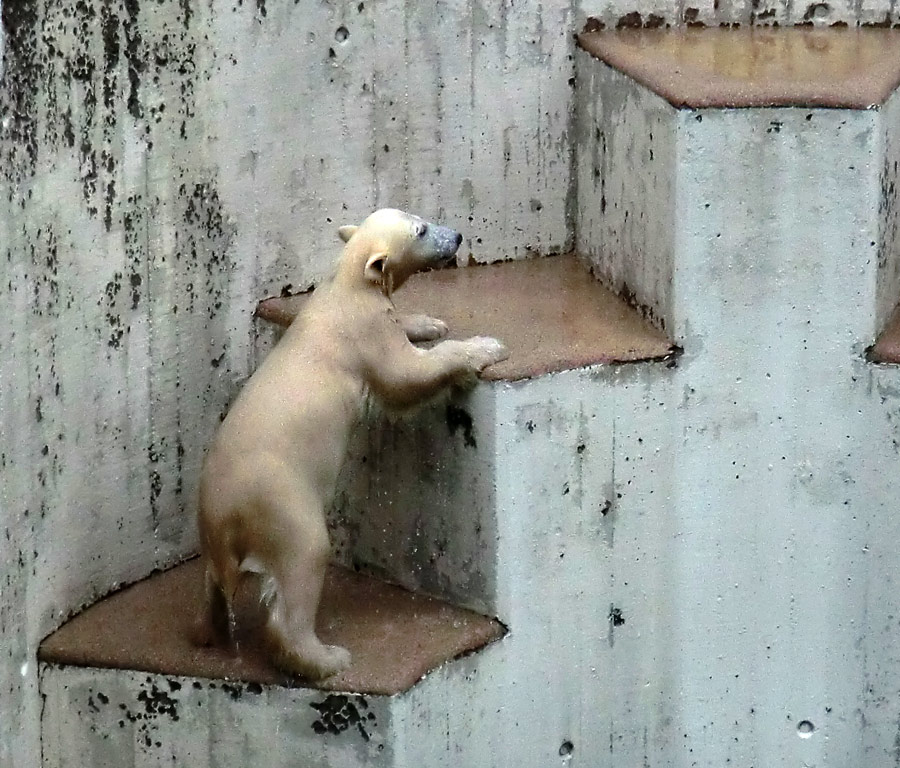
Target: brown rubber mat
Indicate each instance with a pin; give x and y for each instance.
(550, 312)
(756, 66)
(887, 346)
(394, 635)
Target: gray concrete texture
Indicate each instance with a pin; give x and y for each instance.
(167, 164)
(783, 439)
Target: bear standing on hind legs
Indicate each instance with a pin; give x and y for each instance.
(272, 467)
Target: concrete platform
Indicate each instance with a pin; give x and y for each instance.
(583, 323)
(693, 153)
(756, 66)
(395, 637)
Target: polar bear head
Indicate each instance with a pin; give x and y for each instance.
(396, 244)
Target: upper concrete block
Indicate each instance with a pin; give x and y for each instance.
(756, 67)
(708, 157)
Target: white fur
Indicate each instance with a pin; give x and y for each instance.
(272, 467)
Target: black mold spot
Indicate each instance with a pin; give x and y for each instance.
(460, 418)
(23, 73)
(135, 281)
(338, 713)
(158, 702)
(691, 17)
(630, 298)
(529, 425)
(616, 619)
(632, 20)
(133, 41)
(235, 691)
(593, 24)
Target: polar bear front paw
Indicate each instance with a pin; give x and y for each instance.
(485, 351)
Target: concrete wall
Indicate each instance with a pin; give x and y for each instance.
(165, 164)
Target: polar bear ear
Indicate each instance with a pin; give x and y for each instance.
(374, 270)
(347, 231)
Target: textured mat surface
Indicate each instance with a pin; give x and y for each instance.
(756, 67)
(550, 312)
(395, 636)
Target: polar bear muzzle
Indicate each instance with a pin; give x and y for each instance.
(439, 243)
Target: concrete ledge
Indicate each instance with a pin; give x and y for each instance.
(395, 636)
(550, 312)
(756, 67)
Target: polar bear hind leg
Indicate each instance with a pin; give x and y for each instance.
(293, 583)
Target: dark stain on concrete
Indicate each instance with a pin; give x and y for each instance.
(338, 713)
(593, 24)
(158, 702)
(616, 619)
(73, 70)
(21, 81)
(459, 418)
(632, 20)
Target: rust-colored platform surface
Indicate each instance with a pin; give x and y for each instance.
(756, 67)
(550, 312)
(887, 346)
(395, 636)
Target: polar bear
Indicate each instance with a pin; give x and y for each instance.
(271, 469)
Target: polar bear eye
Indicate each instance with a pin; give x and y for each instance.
(421, 229)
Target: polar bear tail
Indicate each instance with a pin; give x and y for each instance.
(268, 587)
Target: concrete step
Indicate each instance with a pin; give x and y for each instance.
(122, 678)
(740, 187)
(502, 499)
(714, 162)
(418, 505)
(583, 324)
